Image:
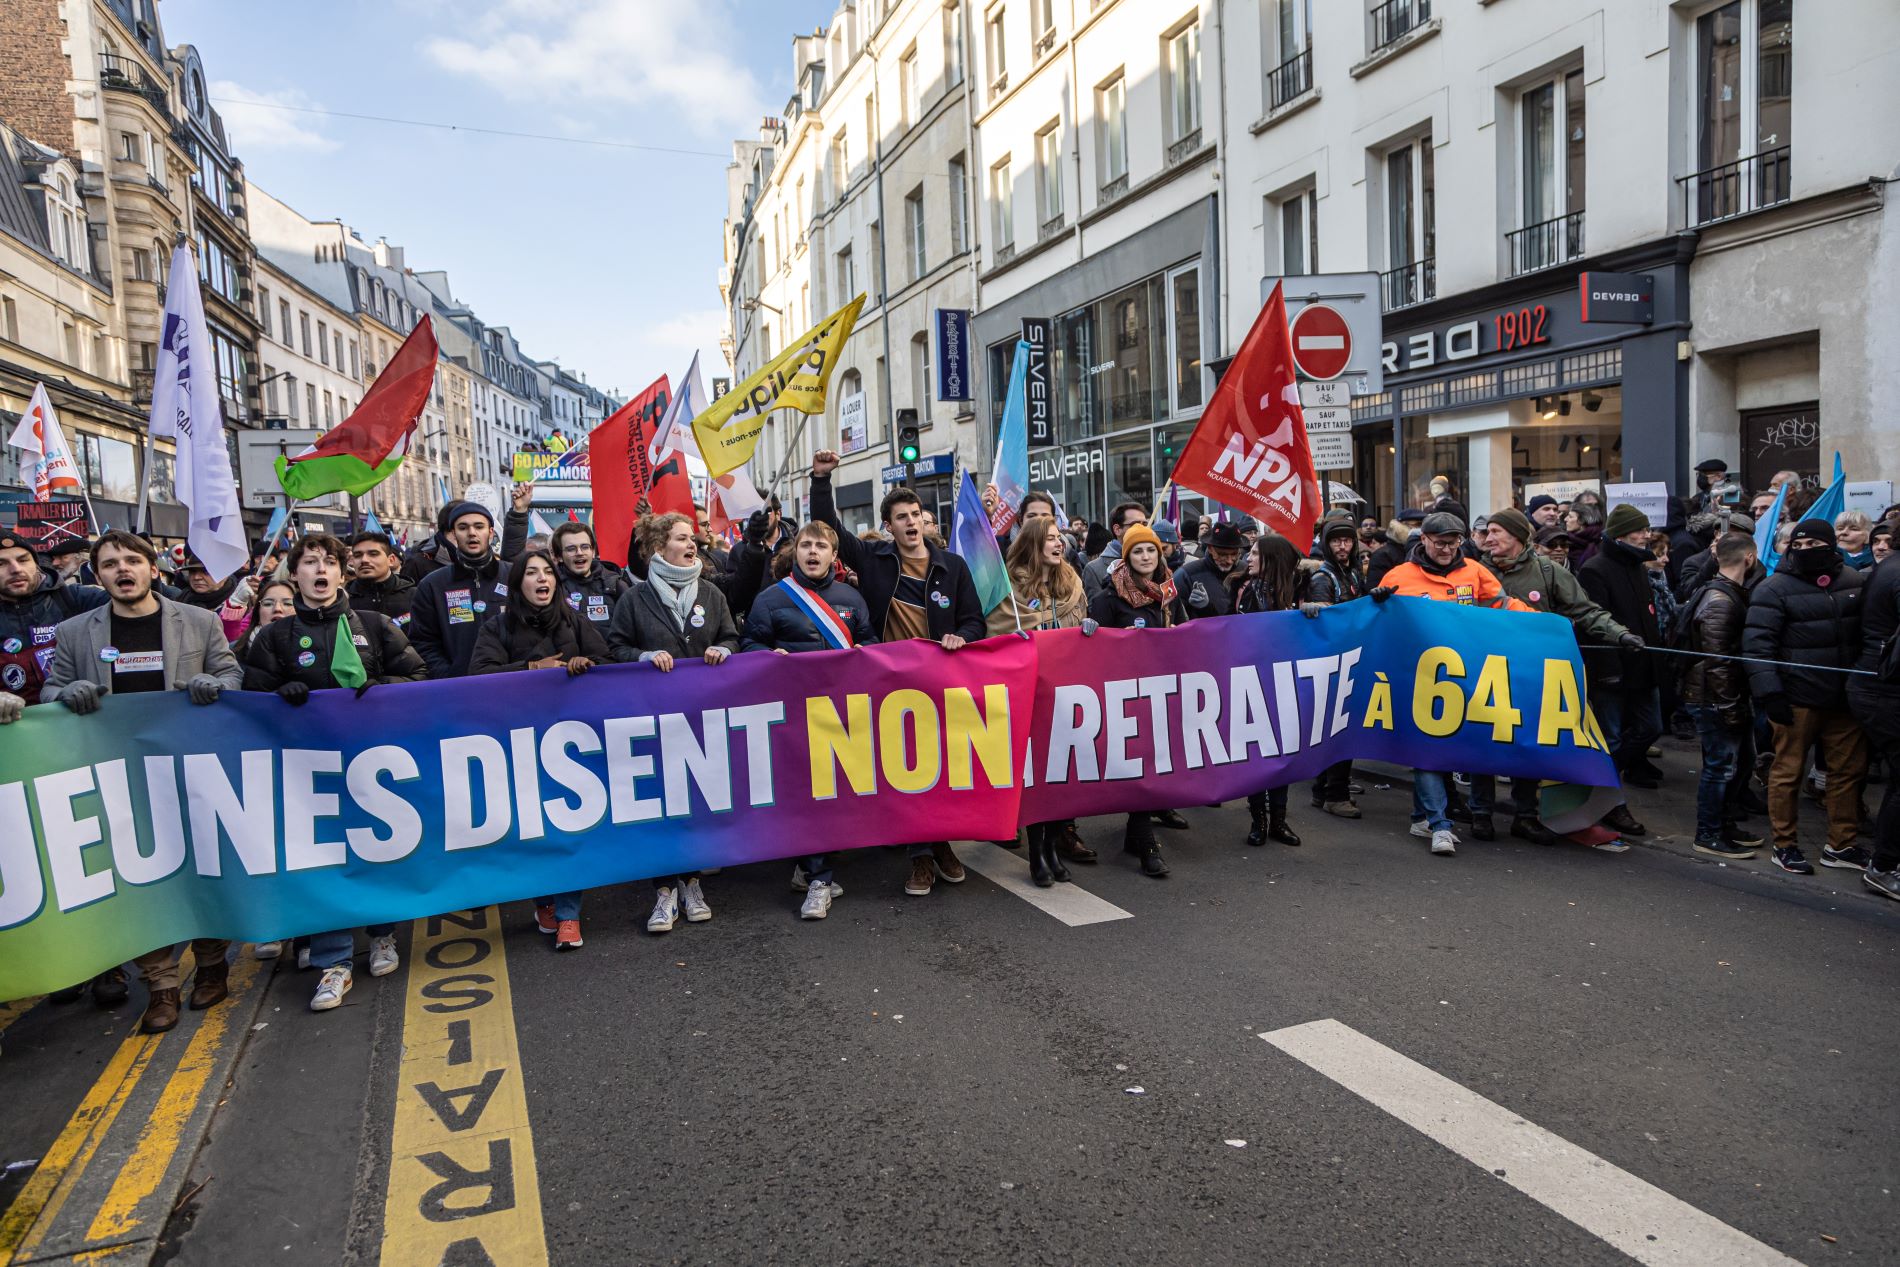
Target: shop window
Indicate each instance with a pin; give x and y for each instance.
(1131, 468)
(1110, 363)
(1184, 336)
(109, 466)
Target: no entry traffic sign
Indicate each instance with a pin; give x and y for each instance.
(1322, 342)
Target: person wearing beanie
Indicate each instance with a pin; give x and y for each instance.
(1543, 511)
(1809, 614)
(1543, 585)
(1623, 678)
(1202, 582)
(1439, 570)
(452, 603)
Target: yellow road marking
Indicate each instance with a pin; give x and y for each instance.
(32, 1213)
(461, 1168)
(158, 1142)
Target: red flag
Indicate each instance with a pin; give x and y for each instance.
(1250, 448)
(622, 473)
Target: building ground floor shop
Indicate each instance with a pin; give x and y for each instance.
(106, 437)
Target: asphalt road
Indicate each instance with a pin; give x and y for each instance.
(948, 1079)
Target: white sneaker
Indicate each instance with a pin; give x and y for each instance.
(800, 884)
(693, 902)
(1422, 828)
(383, 958)
(666, 912)
(1443, 842)
(817, 900)
(331, 989)
(267, 949)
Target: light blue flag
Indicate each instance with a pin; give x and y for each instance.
(1832, 502)
(371, 523)
(1765, 531)
(1011, 474)
(970, 537)
(276, 524)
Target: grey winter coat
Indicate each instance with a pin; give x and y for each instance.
(643, 626)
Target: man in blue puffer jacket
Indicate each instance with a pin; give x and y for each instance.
(810, 610)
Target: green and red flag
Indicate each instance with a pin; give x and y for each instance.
(369, 445)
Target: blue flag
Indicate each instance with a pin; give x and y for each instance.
(370, 522)
(1765, 531)
(970, 537)
(1010, 477)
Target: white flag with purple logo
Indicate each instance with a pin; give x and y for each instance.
(185, 406)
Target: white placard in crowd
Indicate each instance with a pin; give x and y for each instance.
(1561, 490)
(1869, 496)
(485, 494)
(1652, 498)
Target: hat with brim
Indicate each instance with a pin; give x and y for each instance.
(1441, 523)
(1712, 467)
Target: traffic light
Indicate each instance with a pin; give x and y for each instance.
(909, 449)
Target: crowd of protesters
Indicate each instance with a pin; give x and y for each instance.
(1788, 680)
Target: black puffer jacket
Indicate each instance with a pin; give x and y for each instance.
(1807, 620)
(298, 649)
(1715, 625)
(391, 597)
(1617, 581)
(1879, 621)
(508, 646)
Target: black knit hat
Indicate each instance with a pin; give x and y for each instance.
(1814, 530)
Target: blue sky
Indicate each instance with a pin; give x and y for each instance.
(605, 258)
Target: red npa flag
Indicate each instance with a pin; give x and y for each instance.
(622, 474)
(1250, 448)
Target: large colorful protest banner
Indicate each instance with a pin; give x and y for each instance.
(146, 823)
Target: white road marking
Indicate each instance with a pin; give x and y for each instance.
(1070, 903)
(1634, 1216)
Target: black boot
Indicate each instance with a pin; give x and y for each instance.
(1278, 830)
(1058, 870)
(1039, 857)
(1257, 808)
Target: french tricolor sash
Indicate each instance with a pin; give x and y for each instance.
(834, 631)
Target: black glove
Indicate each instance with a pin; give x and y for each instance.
(1776, 709)
(1379, 593)
(755, 527)
(294, 693)
(1630, 642)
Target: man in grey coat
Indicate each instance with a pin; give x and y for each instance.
(142, 642)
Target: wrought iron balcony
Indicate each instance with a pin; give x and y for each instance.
(1389, 22)
(122, 74)
(1737, 188)
(1410, 284)
(1291, 78)
(1546, 244)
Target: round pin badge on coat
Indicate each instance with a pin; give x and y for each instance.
(480, 606)
(11, 646)
(108, 654)
(307, 658)
(304, 641)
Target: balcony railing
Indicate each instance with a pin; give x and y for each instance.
(122, 74)
(1115, 188)
(1737, 188)
(1546, 244)
(1184, 147)
(1290, 79)
(1052, 227)
(1393, 20)
(1410, 284)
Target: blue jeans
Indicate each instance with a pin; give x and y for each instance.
(818, 867)
(1631, 720)
(566, 905)
(327, 950)
(925, 849)
(1721, 746)
(1429, 799)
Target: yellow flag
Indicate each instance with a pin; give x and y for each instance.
(796, 378)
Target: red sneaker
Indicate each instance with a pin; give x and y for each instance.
(569, 936)
(544, 919)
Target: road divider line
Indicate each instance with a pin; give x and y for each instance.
(128, 1203)
(1629, 1213)
(1008, 869)
(463, 1187)
(33, 1212)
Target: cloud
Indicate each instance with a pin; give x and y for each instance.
(671, 342)
(260, 121)
(646, 53)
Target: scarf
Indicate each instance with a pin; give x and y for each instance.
(676, 586)
(1139, 593)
